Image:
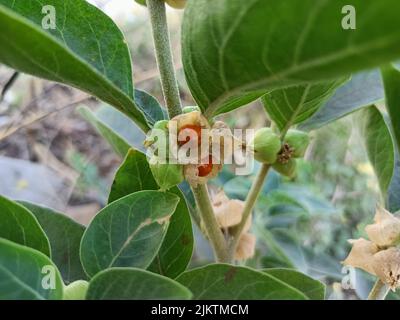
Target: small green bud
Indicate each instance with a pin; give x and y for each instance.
(266, 145)
(286, 169)
(167, 175)
(298, 141)
(189, 109)
(76, 290)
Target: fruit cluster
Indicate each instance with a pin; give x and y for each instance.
(269, 149)
(182, 130)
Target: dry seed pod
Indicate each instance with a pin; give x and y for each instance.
(246, 247)
(227, 211)
(298, 141)
(386, 265)
(386, 229)
(266, 145)
(200, 174)
(361, 255)
(191, 118)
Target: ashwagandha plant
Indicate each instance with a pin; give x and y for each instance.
(296, 56)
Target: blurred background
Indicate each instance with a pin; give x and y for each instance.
(49, 154)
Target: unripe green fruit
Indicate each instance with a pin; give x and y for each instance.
(286, 169)
(189, 109)
(266, 145)
(177, 4)
(161, 125)
(76, 290)
(167, 175)
(298, 141)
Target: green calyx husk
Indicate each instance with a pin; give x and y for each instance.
(266, 146)
(287, 169)
(298, 142)
(76, 290)
(167, 175)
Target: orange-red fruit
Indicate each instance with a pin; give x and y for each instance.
(192, 131)
(205, 169)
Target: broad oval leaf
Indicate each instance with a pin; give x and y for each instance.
(134, 284)
(23, 274)
(19, 225)
(290, 106)
(313, 289)
(223, 281)
(379, 145)
(176, 251)
(127, 232)
(85, 50)
(391, 80)
(363, 90)
(65, 237)
(234, 51)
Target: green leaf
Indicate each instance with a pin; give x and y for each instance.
(19, 225)
(379, 145)
(288, 107)
(127, 232)
(235, 51)
(176, 251)
(65, 236)
(313, 289)
(363, 90)
(150, 107)
(121, 125)
(223, 281)
(391, 80)
(135, 284)
(23, 271)
(394, 188)
(118, 143)
(86, 50)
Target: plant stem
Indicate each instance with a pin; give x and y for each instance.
(210, 223)
(248, 207)
(379, 291)
(163, 52)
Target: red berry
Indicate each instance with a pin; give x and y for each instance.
(192, 132)
(205, 169)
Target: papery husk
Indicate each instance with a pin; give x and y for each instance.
(361, 255)
(222, 139)
(385, 231)
(191, 118)
(191, 173)
(246, 247)
(386, 265)
(227, 211)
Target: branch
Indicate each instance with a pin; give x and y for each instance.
(163, 52)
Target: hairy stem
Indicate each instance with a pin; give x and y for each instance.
(210, 223)
(248, 207)
(163, 52)
(379, 291)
